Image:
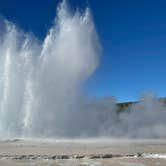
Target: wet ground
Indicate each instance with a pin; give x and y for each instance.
(88, 152)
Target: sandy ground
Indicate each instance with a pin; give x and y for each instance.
(44, 152)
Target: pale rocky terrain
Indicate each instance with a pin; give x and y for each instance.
(88, 152)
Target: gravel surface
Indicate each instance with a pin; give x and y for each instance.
(88, 152)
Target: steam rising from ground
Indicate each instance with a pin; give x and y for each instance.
(147, 118)
(41, 86)
(143, 119)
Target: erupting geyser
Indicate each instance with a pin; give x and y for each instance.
(40, 83)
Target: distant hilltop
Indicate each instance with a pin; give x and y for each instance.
(124, 105)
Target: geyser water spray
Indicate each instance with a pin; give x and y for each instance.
(41, 83)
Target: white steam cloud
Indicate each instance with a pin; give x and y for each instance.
(145, 119)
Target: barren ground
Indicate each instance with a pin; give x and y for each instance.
(88, 152)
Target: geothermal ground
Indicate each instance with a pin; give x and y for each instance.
(91, 152)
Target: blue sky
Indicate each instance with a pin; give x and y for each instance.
(132, 34)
